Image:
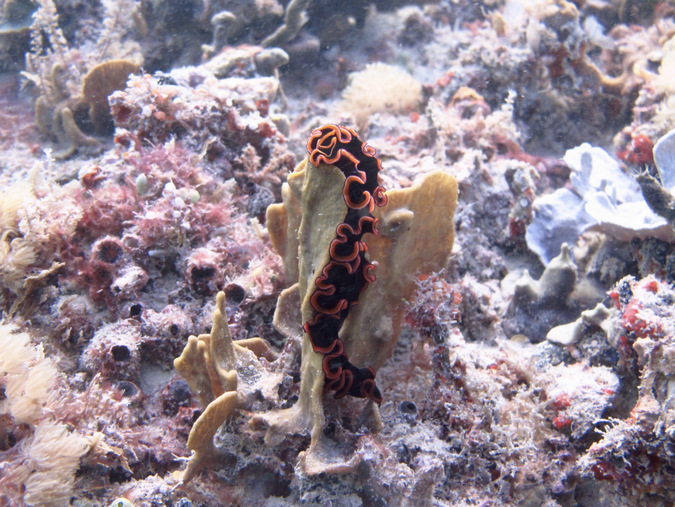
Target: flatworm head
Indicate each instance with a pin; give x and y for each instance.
(348, 271)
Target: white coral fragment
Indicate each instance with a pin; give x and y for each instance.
(567, 334)
(664, 158)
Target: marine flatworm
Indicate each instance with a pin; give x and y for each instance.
(348, 271)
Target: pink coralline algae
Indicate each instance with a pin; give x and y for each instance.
(220, 119)
(121, 261)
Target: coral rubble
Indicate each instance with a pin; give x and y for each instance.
(164, 239)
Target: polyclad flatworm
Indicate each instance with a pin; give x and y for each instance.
(348, 271)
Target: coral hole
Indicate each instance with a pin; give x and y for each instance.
(120, 353)
(408, 407)
(234, 293)
(135, 310)
(202, 274)
(108, 251)
(128, 389)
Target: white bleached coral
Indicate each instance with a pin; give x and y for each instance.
(602, 197)
(664, 158)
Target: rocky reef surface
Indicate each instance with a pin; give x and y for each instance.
(163, 233)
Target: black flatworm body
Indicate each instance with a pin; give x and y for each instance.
(348, 271)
